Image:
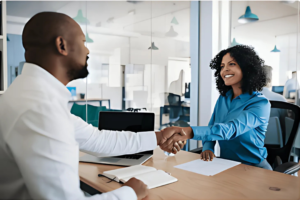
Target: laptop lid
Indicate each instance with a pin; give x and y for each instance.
(127, 121)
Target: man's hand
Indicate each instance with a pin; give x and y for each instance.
(207, 155)
(138, 186)
(172, 139)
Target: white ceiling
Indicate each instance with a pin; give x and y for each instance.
(148, 17)
(275, 18)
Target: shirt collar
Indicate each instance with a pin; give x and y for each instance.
(30, 69)
(244, 97)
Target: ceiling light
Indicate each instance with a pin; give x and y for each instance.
(275, 50)
(153, 47)
(80, 18)
(171, 32)
(288, 1)
(174, 21)
(111, 20)
(248, 16)
(132, 12)
(234, 43)
(88, 39)
(98, 24)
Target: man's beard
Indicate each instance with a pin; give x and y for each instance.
(77, 74)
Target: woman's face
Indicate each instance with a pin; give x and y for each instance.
(231, 72)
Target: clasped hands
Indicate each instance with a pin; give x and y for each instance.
(172, 139)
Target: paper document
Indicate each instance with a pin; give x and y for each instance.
(208, 168)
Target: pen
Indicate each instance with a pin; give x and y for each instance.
(101, 175)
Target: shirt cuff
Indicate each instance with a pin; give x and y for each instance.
(200, 132)
(209, 145)
(148, 140)
(124, 193)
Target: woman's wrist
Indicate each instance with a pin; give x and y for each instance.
(189, 132)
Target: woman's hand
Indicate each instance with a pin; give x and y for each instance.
(207, 155)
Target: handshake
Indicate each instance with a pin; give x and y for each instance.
(172, 139)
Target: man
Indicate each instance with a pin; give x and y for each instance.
(39, 138)
(272, 96)
(291, 85)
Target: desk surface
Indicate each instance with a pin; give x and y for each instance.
(240, 182)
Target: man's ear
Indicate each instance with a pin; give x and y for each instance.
(61, 46)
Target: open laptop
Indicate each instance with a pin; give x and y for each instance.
(123, 121)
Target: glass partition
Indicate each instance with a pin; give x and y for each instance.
(139, 56)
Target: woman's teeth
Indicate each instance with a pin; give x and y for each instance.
(228, 76)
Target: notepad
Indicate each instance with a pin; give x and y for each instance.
(208, 168)
(149, 175)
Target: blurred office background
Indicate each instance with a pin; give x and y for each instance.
(141, 52)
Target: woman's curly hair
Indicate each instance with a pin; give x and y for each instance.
(254, 76)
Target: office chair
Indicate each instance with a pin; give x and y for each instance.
(174, 109)
(279, 156)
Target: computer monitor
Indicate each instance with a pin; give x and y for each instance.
(278, 89)
(126, 121)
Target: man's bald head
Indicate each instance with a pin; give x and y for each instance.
(55, 42)
(42, 29)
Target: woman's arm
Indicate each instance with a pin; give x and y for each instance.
(254, 116)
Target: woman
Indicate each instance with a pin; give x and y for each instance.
(241, 114)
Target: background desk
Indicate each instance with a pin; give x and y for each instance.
(91, 100)
(240, 182)
(290, 100)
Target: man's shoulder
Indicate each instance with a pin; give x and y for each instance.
(272, 96)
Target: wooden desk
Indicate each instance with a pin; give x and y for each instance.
(92, 100)
(240, 182)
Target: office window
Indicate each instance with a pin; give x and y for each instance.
(139, 54)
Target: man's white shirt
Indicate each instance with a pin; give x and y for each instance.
(272, 96)
(40, 141)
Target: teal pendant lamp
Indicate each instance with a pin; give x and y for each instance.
(248, 16)
(153, 47)
(234, 43)
(275, 50)
(80, 18)
(88, 39)
(7, 39)
(174, 21)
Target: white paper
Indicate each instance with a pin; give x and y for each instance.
(208, 168)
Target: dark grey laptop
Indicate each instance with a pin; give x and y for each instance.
(123, 121)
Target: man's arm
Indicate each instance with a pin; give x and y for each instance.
(44, 148)
(111, 143)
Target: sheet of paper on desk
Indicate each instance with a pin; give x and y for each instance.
(208, 168)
